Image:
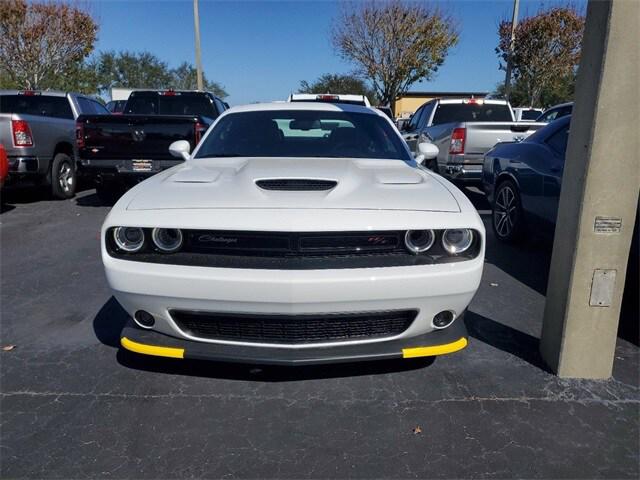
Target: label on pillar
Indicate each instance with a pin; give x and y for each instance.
(602, 287)
(607, 225)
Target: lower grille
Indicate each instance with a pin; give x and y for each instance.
(293, 329)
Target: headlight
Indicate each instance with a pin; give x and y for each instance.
(419, 241)
(457, 240)
(168, 240)
(129, 239)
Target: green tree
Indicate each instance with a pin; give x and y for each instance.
(184, 77)
(41, 42)
(335, 83)
(394, 44)
(145, 70)
(560, 92)
(546, 53)
(130, 70)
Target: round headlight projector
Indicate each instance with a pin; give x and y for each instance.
(167, 240)
(129, 239)
(457, 240)
(419, 241)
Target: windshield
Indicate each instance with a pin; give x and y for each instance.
(178, 103)
(303, 133)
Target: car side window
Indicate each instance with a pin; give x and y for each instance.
(219, 105)
(426, 115)
(558, 141)
(413, 123)
(549, 116)
(98, 108)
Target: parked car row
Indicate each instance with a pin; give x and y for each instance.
(464, 130)
(37, 130)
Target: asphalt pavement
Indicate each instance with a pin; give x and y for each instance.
(74, 405)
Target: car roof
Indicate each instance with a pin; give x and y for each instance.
(313, 106)
(559, 105)
(479, 101)
(339, 97)
(50, 93)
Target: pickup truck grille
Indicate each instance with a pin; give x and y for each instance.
(293, 329)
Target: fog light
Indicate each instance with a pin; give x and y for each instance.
(443, 319)
(144, 319)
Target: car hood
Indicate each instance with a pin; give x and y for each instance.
(226, 183)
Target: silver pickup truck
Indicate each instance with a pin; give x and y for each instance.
(38, 129)
(464, 130)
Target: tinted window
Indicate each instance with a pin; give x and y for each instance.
(116, 106)
(91, 107)
(41, 105)
(219, 105)
(471, 112)
(548, 116)
(413, 123)
(179, 103)
(99, 108)
(303, 133)
(558, 141)
(426, 115)
(529, 114)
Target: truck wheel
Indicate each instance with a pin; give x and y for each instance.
(507, 218)
(63, 177)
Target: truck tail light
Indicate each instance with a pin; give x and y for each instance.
(200, 130)
(457, 140)
(21, 133)
(327, 98)
(80, 134)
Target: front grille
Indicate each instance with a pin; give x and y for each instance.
(293, 329)
(291, 244)
(296, 184)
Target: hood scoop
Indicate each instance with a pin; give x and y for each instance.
(296, 184)
(195, 175)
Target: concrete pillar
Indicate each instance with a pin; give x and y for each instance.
(599, 196)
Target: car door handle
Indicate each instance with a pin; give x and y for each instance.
(556, 169)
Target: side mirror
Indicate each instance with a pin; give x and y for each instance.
(180, 149)
(426, 151)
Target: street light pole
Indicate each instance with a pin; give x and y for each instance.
(196, 21)
(514, 24)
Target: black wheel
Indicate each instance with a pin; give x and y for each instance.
(63, 177)
(508, 221)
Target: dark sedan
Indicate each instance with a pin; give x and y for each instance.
(522, 181)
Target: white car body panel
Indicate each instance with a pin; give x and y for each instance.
(220, 194)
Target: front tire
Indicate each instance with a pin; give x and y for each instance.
(63, 177)
(507, 217)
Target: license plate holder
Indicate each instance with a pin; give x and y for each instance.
(141, 165)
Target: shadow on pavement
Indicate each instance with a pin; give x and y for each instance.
(109, 322)
(93, 200)
(505, 338)
(111, 319)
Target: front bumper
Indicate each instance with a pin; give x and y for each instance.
(439, 342)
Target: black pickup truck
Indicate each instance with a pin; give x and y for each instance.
(118, 151)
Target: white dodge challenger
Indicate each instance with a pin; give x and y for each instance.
(295, 233)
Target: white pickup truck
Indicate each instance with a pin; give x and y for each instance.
(464, 130)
